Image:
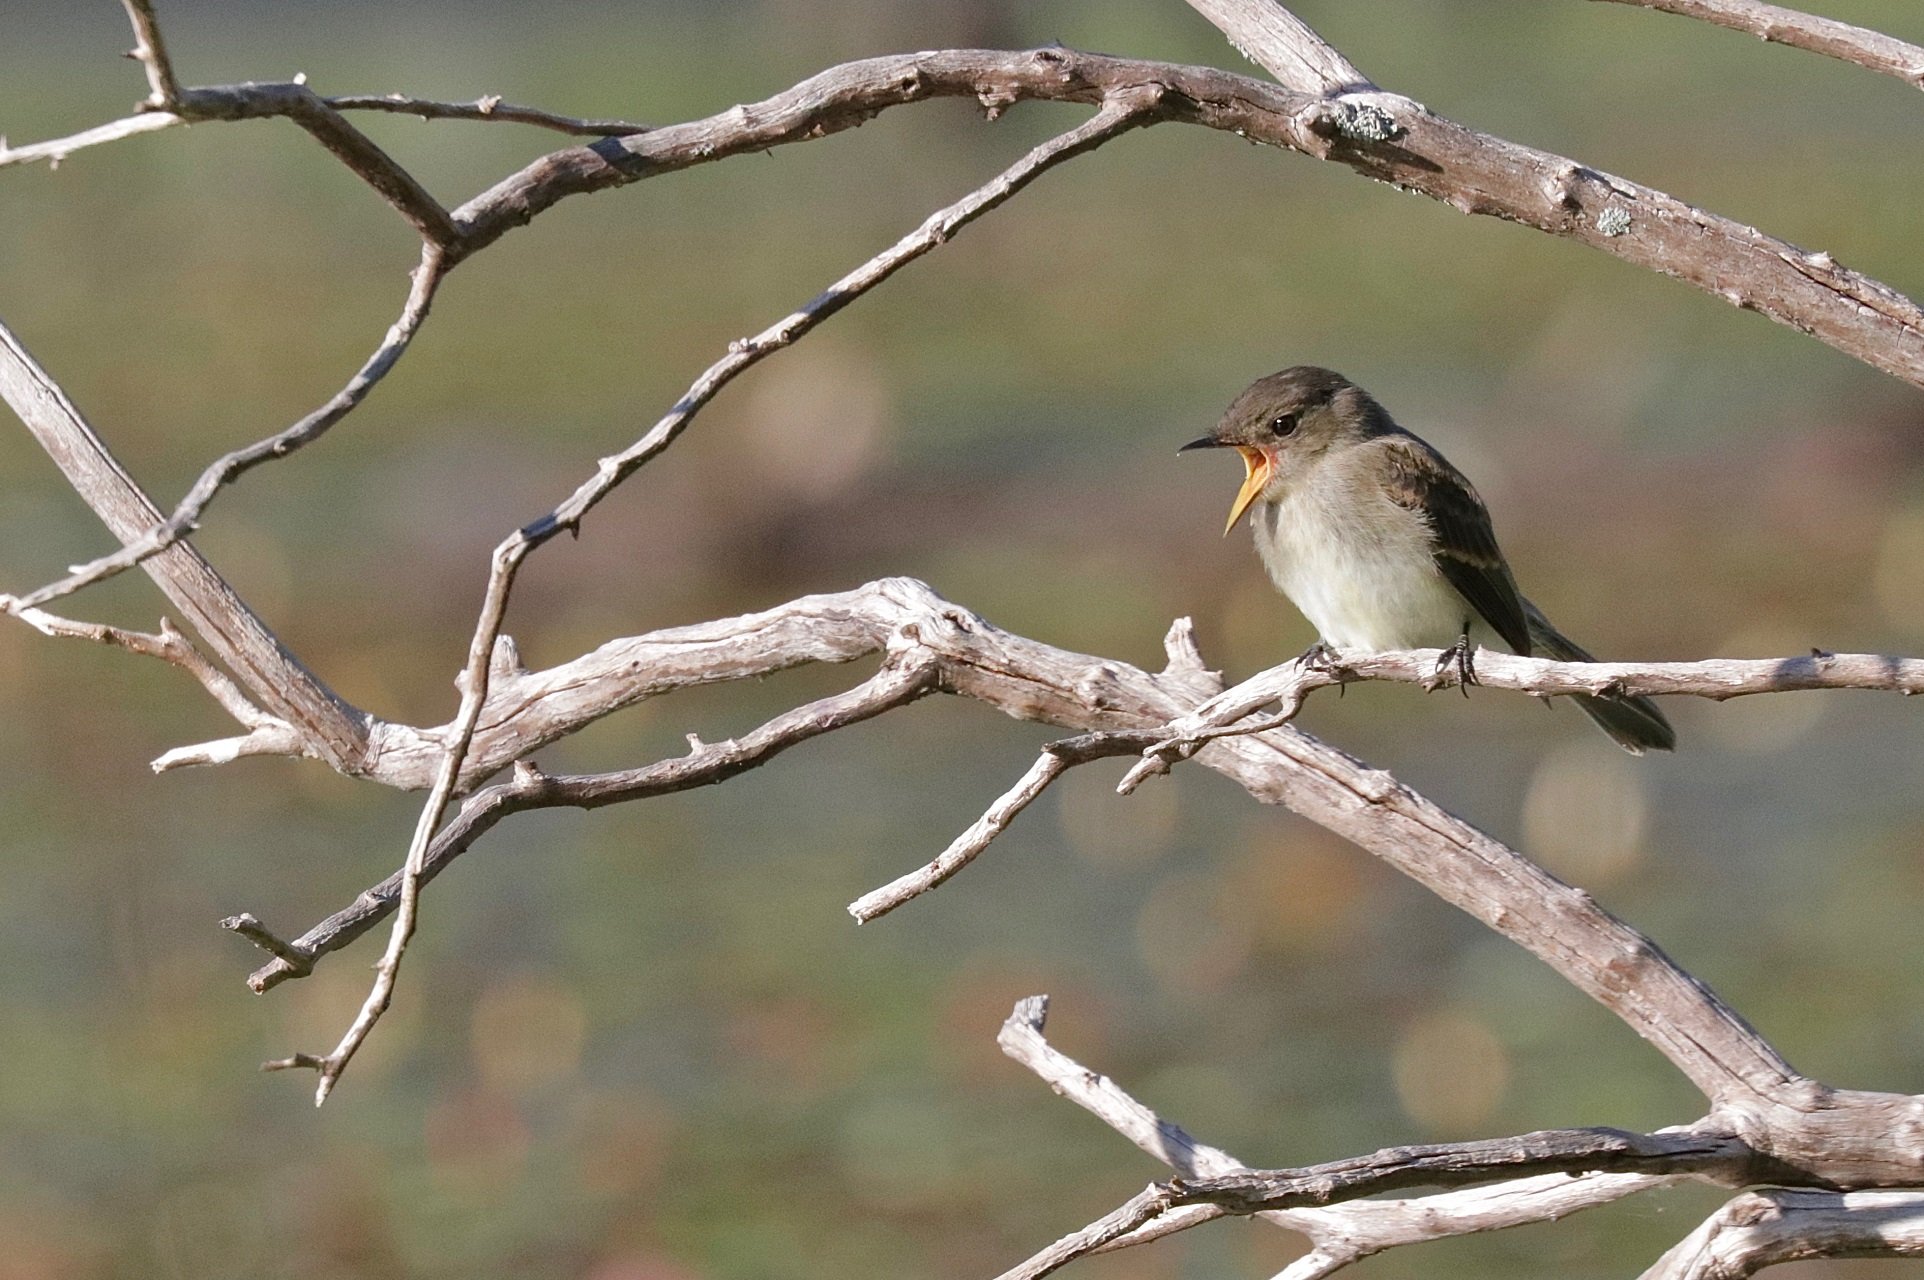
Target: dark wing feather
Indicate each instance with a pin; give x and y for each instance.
(1418, 477)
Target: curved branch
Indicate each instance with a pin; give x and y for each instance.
(1115, 117)
(1342, 1234)
(1869, 49)
(1056, 759)
(224, 470)
(1600, 954)
(705, 764)
(1379, 135)
(1763, 1228)
(1456, 1164)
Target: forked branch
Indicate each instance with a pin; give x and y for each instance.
(1339, 1234)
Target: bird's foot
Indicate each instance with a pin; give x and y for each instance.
(1319, 657)
(1322, 659)
(1454, 666)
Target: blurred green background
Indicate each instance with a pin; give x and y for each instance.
(647, 1043)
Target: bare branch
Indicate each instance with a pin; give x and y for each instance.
(151, 53)
(1568, 1151)
(490, 108)
(527, 710)
(58, 149)
(331, 129)
(1114, 118)
(1718, 679)
(1284, 45)
(169, 645)
(1342, 1234)
(1598, 953)
(895, 685)
(425, 280)
(1778, 25)
(1134, 1219)
(250, 928)
(1382, 136)
(273, 676)
(1763, 1228)
(275, 739)
(1056, 759)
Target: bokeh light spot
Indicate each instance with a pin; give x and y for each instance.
(1451, 1072)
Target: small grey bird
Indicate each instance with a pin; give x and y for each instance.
(1381, 542)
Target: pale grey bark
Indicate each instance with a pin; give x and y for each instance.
(1765, 1123)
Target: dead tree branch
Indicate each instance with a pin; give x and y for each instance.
(1766, 1122)
(1456, 1164)
(229, 467)
(1781, 1115)
(490, 108)
(151, 53)
(333, 730)
(897, 684)
(1114, 118)
(1869, 49)
(1718, 679)
(1763, 1228)
(1339, 1234)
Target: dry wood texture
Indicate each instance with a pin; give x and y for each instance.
(1847, 1154)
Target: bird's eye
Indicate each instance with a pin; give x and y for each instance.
(1283, 424)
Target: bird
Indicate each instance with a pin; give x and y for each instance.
(1382, 544)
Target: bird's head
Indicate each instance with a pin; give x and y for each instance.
(1285, 422)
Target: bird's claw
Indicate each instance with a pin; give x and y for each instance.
(1318, 657)
(1454, 666)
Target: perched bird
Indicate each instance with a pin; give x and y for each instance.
(1381, 542)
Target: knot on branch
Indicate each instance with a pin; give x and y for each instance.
(1346, 118)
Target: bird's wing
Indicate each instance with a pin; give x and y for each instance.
(1465, 550)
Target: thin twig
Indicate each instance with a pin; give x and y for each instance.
(1342, 1234)
(898, 683)
(1869, 49)
(1717, 1156)
(151, 52)
(1130, 1220)
(58, 149)
(1055, 760)
(490, 108)
(250, 928)
(224, 470)
(1113, 119)
(329, 726)
(169, 645)
(360, 153)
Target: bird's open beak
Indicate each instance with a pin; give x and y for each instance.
(1256, 470)
(1256, 473)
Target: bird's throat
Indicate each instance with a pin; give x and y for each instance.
(1258, 467)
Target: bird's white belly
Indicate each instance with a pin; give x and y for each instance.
(1365, 579)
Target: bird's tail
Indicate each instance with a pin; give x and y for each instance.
(1633, 723)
